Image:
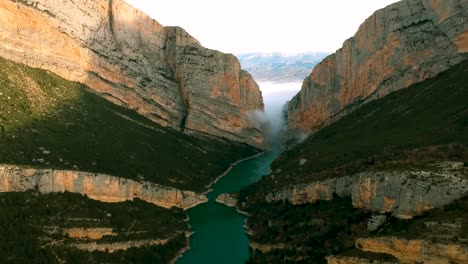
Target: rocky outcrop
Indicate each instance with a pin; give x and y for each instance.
(355, 260)
(89, 233)
(161, 72)
(375, 222)
(404, 193)
(265, 248)
(115, 246)
(99, 187)
(415, 251)
(227, 199)
(402, 44)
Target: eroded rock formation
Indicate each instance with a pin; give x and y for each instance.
(99, 187)
(415, 251)
(161, 72)
(227, 199)
(88, 233)
(402, 193)
(116, 246)
(402, 44)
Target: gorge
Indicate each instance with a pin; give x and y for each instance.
(123, 140)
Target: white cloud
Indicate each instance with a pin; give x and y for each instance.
(265, 25)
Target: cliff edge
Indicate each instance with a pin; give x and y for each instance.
(400, 45)
(130, 59)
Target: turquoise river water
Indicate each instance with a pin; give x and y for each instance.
(219, 236)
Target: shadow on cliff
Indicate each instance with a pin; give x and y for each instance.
(427, 122)
(54, 123)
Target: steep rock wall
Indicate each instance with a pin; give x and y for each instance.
(99, 187)
(402, 193)
(415, 251)
(161, 72)
(402, 44)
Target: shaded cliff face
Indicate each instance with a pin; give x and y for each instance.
(161, 72)
(101, 187)
(405, 193)
(400, 45)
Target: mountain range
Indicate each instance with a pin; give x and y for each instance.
(280, 67)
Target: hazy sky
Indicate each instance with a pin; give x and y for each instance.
(264, 25)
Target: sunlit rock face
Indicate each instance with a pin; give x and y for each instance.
(130, 59)
(402, 44)
(96, 186)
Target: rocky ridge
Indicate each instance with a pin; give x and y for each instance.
(402, 44)
(405, 193)
(96, 186)
(130, 59)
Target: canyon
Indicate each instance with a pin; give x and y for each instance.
(400, 45)
(163, 73)
(381, 178)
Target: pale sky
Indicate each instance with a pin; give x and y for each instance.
(241, 26)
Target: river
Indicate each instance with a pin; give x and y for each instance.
(219, 236)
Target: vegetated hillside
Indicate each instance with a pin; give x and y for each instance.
(412, 128)
(54, 228)
(278, 67)
(415, 124)
(163, 73)
(46, 121)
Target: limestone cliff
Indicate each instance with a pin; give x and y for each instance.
(402, 44)
(415, 251)
(403, 193)
(161, 72)
(99, 187)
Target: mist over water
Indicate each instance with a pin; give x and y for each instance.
(275, 96)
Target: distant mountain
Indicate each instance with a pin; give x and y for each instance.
(280, 67)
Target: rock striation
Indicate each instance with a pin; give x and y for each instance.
(130, 59)
(99, 187)
(400, 45)
(415, 251)
(405, 193)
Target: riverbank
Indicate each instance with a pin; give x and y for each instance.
(209, 189)
(219, 233)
